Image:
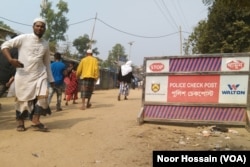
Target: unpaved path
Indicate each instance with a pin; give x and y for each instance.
(106, 135)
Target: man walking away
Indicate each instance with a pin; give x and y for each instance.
(57, 68)
(88, 72)
(125, 76)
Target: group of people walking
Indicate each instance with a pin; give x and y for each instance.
(65, 81)
(66, 78)
(35, 79)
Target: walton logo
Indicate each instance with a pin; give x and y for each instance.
(235, 65)
(156, 67)
(233, 86)
(233, 90)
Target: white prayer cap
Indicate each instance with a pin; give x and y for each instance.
(39, 19)
(89, 51)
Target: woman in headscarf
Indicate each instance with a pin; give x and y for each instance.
(125, 77)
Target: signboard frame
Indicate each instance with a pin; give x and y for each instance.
(220, 82)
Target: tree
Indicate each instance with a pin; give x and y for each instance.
(227, 30)
(82, 45)
(57, 23)
(113, 57)
(237, 3)
(195, 44)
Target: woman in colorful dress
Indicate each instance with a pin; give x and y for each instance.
(71, 82)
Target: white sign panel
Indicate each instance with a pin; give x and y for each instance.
(235, 64)
(156, 89)
(233, 89)
(157, 66)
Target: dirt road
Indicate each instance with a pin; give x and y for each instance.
(106, 135)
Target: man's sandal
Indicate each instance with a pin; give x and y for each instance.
(40, 127)
(89, 105)
(20, 128)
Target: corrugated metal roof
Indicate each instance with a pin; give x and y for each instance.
(5, 32)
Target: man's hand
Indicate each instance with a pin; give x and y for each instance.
(16, 63)
(10, 81)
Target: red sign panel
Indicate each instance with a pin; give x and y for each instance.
(156, 67)
(235, 65)
(193, 89)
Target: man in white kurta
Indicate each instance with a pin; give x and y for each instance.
(32, 75)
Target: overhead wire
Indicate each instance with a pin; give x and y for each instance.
(161, 36)
(186, 24)
(14, 21)
(164, 15)
(81, 21)
(108, 25)
(179, 12)
(170, 15)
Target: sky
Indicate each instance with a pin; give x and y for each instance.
(145, 28)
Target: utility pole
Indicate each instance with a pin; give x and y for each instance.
(92, 34)
(180, 42)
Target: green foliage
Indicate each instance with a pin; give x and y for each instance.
(196, 41)
(57, 23)
(227, 29)
(236, 3)
(114, 55)
(82, 44)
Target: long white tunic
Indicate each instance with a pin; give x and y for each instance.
(33, 52)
